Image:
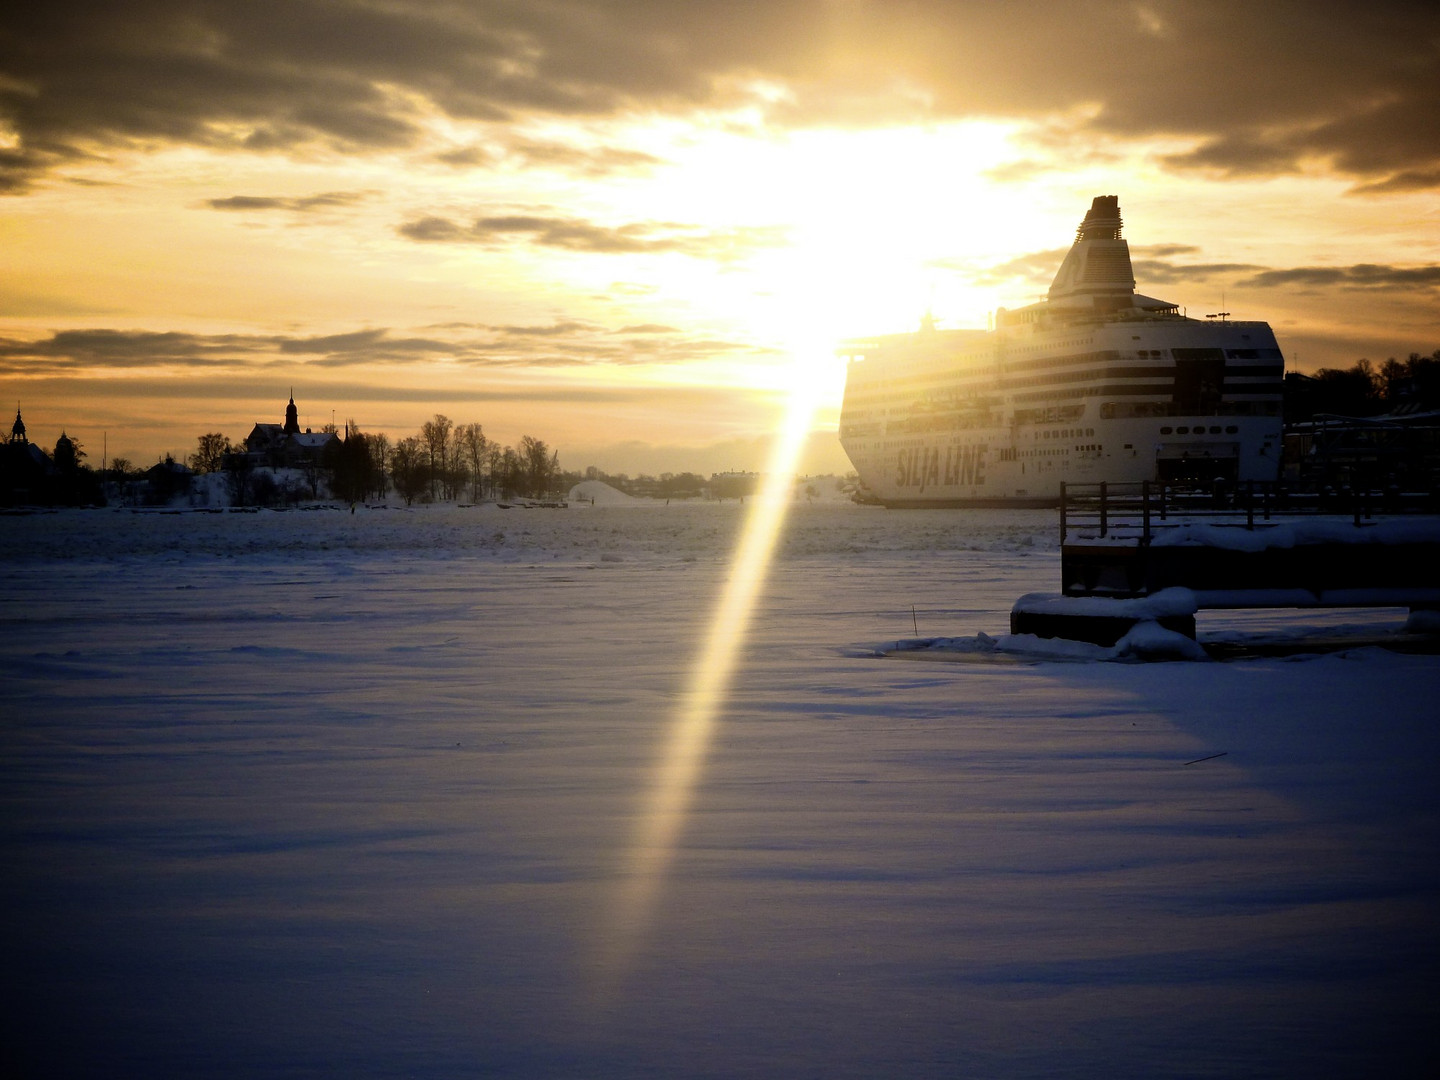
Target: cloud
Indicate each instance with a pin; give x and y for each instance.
(467, 157)
(1035, 266)
(1161, 269)
(1164, 272)
(1163, 251)
(302, 204)
(1359, 276)
(574, 234)
(432, 229)
(81, 349)
(1258, 88)
(553, 330)
(1408, 180)
(585, 160)
(559, 344)
(323, 387)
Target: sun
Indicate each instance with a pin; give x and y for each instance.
(868, 228)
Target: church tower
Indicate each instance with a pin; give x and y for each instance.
(292, 416)
(17, 433)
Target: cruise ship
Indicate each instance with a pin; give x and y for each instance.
(1095, 382)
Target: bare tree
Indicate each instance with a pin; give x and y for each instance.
(512, 475)
(210, 454)
(495, 462)
(457, 469)
(435, 434)
(472, 438)
(379, 447)
(409, 468)
(352, 466)
(534, 458)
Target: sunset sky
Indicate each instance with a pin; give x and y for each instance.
(627, 228)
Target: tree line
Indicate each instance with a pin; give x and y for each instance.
(446, 461)
(442, 461)
(1365, 388)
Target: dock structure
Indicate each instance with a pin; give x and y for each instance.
(1245, 547)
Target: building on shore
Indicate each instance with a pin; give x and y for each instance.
(286, 446)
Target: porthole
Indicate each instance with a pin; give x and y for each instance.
(1167, 431)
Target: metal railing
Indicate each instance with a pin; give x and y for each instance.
(1135, 510)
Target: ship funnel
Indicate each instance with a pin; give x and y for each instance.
(1102, 220)
(1098, 265)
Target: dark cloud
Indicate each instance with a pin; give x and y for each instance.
(321, 388)
(585, 161)
(1359, 276)
(79, 349)
(553, 330)
(1408, 180)
(295, 204)
(1260, 88)
(1035, 266)
(1163, 272)
(558, 344)
(467, 157)
(427, 229)
(1163, 251)
(1370, 139)
(574, 234)
(1040, 266)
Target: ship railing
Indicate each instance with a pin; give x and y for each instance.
(1136, 510)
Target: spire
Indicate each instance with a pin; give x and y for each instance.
(17, 433)
(65, 456)
(292, 416)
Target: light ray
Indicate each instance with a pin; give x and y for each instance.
(678, 769)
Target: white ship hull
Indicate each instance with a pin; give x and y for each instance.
(1094, 384)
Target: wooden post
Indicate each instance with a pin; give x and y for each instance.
(1145, 511)
(1062, 511)
(1103, 510)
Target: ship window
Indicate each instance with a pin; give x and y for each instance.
(1215, 429)
(1182, 431)
(1167, 431)
(1231, 430)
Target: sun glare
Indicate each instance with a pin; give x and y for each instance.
(678, 770)
(874, 222)
(864, 219)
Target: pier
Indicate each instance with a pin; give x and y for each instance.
(1238, 546)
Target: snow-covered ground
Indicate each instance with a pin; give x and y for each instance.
(322, 794)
